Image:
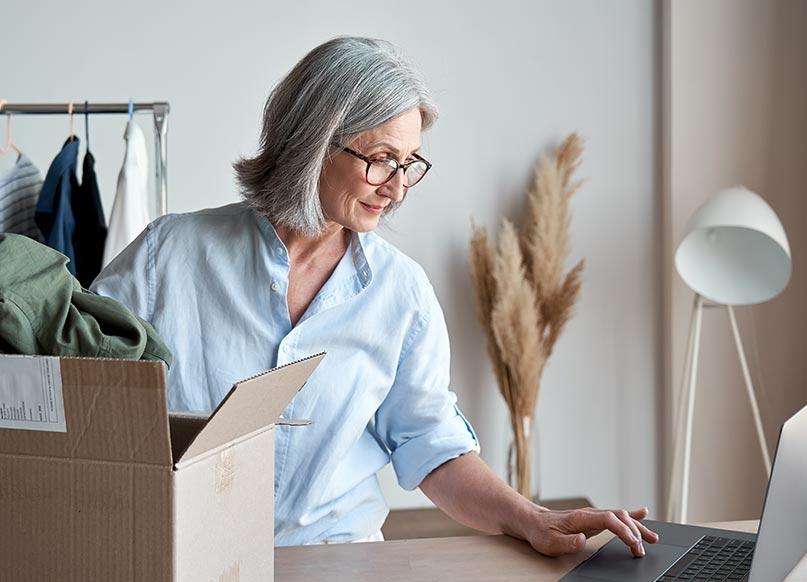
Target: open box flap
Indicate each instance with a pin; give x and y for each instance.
(251, 405)
(115, 410)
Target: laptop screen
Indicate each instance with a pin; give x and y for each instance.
(782, 537)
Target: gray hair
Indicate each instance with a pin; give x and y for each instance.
(338, 90)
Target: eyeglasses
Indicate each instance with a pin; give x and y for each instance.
(381, 170)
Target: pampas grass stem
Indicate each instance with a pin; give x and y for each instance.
(523, 298)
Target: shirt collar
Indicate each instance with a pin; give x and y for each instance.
(358, 242)
(270, 234)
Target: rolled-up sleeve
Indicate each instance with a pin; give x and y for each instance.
(419, 420)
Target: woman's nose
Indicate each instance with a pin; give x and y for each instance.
(394, 189)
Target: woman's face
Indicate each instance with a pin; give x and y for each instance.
(347, 199)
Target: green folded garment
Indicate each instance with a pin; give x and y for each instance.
(45, 311)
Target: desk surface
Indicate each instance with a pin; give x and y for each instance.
(470, 558)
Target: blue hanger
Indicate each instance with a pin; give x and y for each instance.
(131, 109)
(87, 125)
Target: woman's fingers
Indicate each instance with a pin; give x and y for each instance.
(625, 532)
(563, 532)
(625, 518)
(598, 520)
(647, 534)
(640, 513)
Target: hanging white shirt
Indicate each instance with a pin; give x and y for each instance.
(130, 210)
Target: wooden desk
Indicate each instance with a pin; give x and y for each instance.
(410, 524)
(469, 558)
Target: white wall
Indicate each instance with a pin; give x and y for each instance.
(512, 79)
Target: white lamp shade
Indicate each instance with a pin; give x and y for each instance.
(734, 249)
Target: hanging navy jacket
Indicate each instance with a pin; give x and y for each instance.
(54, 212)
(90, 235)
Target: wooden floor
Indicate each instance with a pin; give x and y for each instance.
(408, 524)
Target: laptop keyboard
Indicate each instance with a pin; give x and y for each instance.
(713, 558)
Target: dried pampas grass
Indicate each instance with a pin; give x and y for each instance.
(523, 299)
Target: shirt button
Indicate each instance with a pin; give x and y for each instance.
(275, 286)
(285, 349)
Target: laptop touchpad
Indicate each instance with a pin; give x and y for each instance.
(615, 562)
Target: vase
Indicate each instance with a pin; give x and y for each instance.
(520, 457)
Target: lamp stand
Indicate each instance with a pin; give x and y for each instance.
(686, 407)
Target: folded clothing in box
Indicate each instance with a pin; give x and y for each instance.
(45, 311)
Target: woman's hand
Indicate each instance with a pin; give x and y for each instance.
(470, 492)
(553, 533)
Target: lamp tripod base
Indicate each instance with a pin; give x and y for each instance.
(677, 512)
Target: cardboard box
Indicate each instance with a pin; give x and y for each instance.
(128, 492)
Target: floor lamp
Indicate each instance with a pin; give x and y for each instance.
(734, 251)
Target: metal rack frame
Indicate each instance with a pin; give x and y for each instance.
(159, 108)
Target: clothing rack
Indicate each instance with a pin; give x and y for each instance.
(160, 109)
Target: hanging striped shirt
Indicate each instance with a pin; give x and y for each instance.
(19, 193)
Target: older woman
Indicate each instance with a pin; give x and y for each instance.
(296, 269)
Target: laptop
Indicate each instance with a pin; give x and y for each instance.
(686, 552)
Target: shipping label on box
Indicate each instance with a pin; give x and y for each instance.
(31, 394)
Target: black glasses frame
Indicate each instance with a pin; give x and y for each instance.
(398, 166)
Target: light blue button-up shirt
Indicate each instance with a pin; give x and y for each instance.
(213, 284)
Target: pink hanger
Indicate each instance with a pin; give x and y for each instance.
(70, 113)
(9, 136)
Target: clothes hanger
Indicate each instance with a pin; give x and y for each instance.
(72, 135)
(10, 145)
(87, 126)
(131, 109)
